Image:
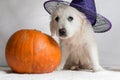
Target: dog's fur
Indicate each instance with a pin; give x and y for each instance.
(78, 47)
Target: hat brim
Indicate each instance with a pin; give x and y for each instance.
(101, 25)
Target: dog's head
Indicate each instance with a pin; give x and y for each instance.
(66, 21)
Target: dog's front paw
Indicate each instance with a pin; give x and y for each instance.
(75, 67)
(59, 68)
(97, 69)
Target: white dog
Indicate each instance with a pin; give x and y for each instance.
(78, 47)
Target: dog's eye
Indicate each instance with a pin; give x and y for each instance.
(70, 18)
(57, 18)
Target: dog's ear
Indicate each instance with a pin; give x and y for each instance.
(83, 18)
(85, 24)
(52, 28)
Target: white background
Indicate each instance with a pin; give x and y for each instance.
(19, 14)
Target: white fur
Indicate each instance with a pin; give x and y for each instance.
(79, 49)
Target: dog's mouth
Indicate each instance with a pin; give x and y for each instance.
(63, 36)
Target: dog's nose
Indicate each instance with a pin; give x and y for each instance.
(62, 32)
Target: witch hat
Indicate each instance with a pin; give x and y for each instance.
(99, 23)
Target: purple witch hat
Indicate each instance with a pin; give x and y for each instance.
(100, 24)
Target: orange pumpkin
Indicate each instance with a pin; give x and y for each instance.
(31, 51)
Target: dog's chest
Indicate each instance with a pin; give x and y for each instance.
(77, 52)
(72, 45)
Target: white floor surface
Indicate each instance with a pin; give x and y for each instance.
(6, 74)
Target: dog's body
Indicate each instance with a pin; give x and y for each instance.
(78, 47)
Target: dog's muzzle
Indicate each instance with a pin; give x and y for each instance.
(62, 32)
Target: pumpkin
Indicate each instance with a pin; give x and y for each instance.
(31, 51)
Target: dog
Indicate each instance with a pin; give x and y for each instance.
(77, 43)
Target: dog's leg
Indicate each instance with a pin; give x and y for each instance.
(93, 54)
(64, 58)
(63, 61)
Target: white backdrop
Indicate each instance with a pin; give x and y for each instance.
(19, 14)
